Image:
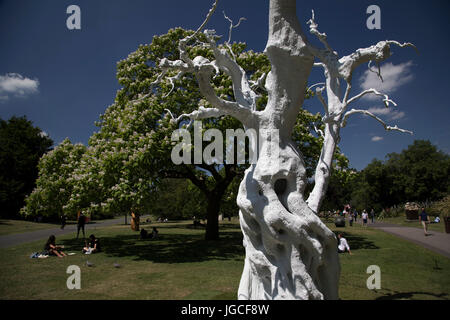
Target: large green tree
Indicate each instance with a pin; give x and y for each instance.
(55, 183)
(131, 153)
(21, 146)
(419, 173)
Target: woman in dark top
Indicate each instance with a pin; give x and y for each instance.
(423, 218)
(94, 245)
(80, 224)
(52, 249)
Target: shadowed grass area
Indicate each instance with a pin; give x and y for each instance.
(180, 264)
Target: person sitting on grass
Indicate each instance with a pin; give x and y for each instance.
(52, 249)
(93, 246)
(154, 233)
(144, 234)
(343, 244)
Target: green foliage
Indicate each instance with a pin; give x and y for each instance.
(55, 183)
(441, 208)
(130, 156)
(178, 199)
(340, 189)
(420, 174)
(21, 147)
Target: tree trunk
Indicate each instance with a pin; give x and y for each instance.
(290, 253)
(212, 216)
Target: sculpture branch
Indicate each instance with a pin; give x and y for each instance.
(200, 113)
(378, 53)
(386, 99)
(203, 69)
(232, 26)
(321, 98)
(321, 36)
(366, 112)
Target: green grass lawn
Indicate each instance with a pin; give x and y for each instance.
(440, 227)
(181, 265)
(8, 226)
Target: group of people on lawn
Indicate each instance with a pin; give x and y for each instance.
(93, 245)
(352, 215)
(343, 245)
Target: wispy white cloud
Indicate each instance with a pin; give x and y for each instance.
(16, 85)
(390, 113)
(394, 76)
(377, 138)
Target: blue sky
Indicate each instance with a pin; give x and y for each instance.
(64, 79)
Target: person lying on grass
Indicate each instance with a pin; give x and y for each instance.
(52, 249)
(93, 246)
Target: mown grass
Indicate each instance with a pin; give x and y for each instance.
(440, 227)
(180, 264)
(408, 271)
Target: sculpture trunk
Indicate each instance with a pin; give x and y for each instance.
(290, 253)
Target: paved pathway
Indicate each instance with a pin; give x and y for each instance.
(19, 238)
(436, 241)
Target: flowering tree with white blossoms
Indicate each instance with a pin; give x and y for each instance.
(131, 154)
(290, 253)
(55, 181)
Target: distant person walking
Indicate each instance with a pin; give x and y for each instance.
(372, 215)
(81, 221)
(355, 214)
(423, 218)
(364, 216)
(63, 221)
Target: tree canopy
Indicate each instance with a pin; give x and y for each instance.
(21, 146)
(126, 161)
(55, 182)
(419, 173)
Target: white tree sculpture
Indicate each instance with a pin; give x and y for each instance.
(290, 253)
(336, 105)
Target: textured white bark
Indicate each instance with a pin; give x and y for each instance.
(290, 253)
(336, 69)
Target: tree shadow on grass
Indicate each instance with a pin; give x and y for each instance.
(169, 248)
(408, 295)
(357, 242)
